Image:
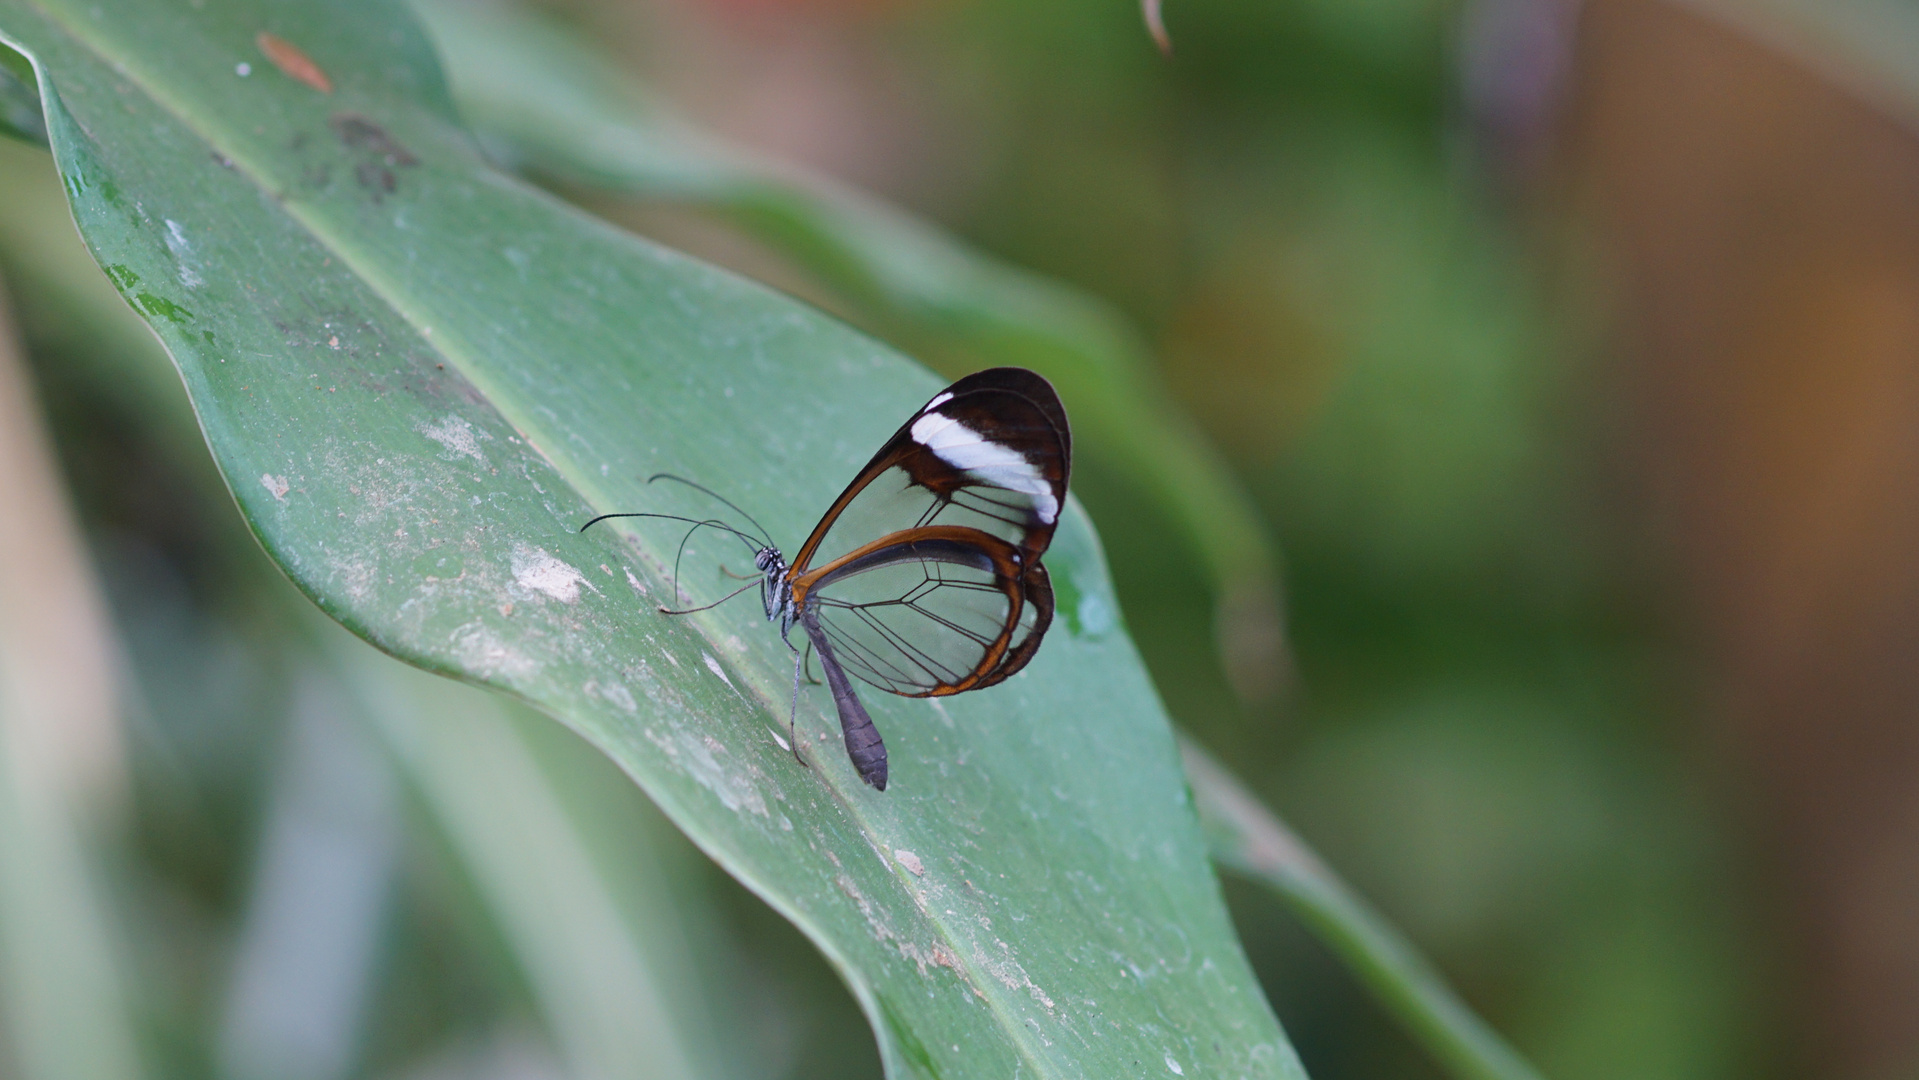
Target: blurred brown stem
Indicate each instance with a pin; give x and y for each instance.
(60, 985)
(1156, 25)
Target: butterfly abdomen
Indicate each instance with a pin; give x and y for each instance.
(863, 743)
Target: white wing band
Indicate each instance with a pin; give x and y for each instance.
(972, 453)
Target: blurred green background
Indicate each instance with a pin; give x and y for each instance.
(1570, 352)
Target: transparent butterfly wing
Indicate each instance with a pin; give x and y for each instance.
(934, 611)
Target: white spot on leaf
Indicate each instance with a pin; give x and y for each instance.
(276, 485)
(699, 758)
(1174, 1065)
(910, 861)
(535, 570)
(457, 435)
(480, 651)
(177, 244)
(1095, 615)
(613, 693)
(713, 666)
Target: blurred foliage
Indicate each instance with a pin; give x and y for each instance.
(1349, 288)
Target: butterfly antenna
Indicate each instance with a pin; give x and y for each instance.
(753, 543)
(767, 538)
(706, 607)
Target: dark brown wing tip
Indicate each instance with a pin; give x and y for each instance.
(1019, 380)
(1030, 385)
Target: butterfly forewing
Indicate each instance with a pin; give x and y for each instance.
(990, 453)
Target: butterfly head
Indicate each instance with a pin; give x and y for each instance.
(776, 593)
(769, 560)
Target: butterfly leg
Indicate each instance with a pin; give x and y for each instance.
(792, 717)
(807, 664)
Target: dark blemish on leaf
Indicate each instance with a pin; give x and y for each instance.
(207, 336)
(339, 330)
(910, 1044)
(123, 278)
(293, 63)
(360, 133)
(298, 142)
(222, 160)
(376, 178)
(162, 308)
(379, 153)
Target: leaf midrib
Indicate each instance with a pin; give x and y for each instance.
(437, 340)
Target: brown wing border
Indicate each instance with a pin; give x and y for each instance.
(1024, 582)
(935, 475)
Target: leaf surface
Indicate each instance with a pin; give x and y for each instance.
(420, 376)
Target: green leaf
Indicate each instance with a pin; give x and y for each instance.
(419, 378)
(1250, 840)
(19, 105)
(554, 106)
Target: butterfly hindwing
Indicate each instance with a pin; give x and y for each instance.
(935, 611)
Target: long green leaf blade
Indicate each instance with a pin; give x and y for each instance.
(419, 377)
(1249, 839)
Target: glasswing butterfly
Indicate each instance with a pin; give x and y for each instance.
(923, 578)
